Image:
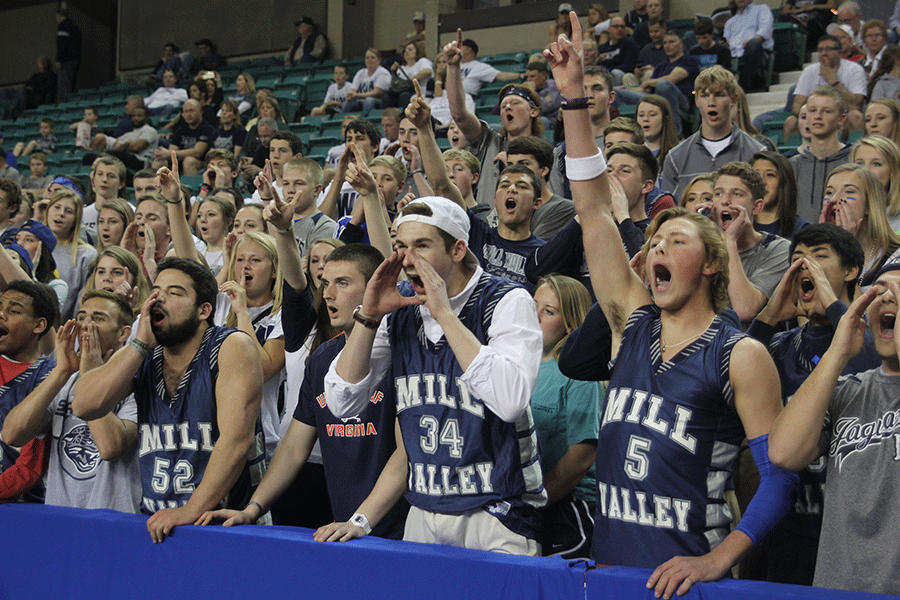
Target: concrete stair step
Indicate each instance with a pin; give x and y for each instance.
(770, 97)
(789, 77)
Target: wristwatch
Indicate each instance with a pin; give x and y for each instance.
(365, 321)
(361, 521)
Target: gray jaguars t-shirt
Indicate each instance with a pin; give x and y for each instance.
(858, 548)
(77, 476)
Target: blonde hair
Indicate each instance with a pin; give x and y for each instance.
(464, 156)
(123, 208)
(128, 260)
(394, 164)
(875, 224)
(73, 240)
(890, 152)
(716, 79)
(716, 251)
(574, 303)
(893, 106)
(710, 177)
(267, 243)
(312, 168)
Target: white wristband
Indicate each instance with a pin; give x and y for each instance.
(586, 168)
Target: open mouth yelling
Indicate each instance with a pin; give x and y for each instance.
(416, 282)
(662, 278)
(725, 219)
(157, 315)
(3, 333)
(886, 325)
(510, 203)
(807, 289)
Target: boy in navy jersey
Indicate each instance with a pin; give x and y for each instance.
(819, 285)
(463, 350)
(858, 547)
(27, 311)
(354, 450)
(200, 442)
(502, 250)
(676, 410)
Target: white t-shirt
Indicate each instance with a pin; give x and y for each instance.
(410, 71)
(476, 73)
(257, 199)
(365, 83)
(267, 328)
(440, 108)
(849, 73)
(336, 94)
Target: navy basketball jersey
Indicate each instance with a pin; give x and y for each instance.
(11, 393)
(461, 455)
(177, 434)
(354, 449)
(669, 436)
(499, 256)
(796, 353)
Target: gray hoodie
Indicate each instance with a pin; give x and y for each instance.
(811, 174)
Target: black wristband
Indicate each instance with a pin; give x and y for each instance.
(574, 103)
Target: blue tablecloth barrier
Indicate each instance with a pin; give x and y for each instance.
(606, 583)
(54, 553)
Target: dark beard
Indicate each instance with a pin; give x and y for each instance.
(175, 335)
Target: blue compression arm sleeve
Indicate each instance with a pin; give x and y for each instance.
(774, 498)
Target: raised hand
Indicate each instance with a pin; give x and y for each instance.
(418, 111)
(263, 182)
(566, 58)
(168, 180)
(453, 50)
(358, 173)
(280, 214)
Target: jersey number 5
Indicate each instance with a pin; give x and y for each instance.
(636, 462)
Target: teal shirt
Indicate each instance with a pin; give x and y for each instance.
(566, 412)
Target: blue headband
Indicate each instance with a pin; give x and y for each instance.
(67, 183)
(521, 93)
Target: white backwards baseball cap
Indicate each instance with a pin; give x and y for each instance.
(446, 215)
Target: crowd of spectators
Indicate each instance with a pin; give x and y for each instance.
(527, 316)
